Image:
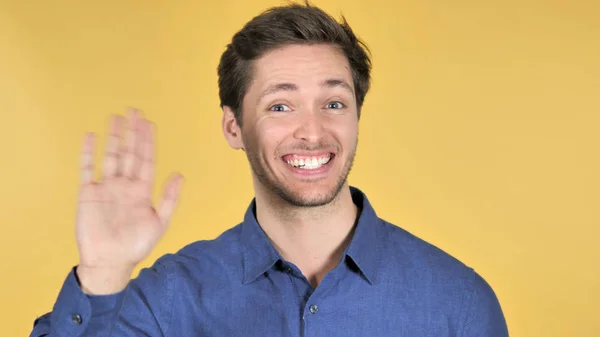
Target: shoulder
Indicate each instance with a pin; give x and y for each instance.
(444, 278)
(420, 261)
(209, 253)
(403, 247)
(211, 256)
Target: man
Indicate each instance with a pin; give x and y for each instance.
(311, 257)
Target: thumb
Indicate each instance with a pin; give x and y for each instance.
(169, 198)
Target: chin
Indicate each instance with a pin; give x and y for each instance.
(310, 196)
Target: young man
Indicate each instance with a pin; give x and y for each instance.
(311, 257)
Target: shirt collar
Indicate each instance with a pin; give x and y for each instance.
(259, 253)
(364, 249)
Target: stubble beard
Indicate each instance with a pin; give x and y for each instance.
(292, 197)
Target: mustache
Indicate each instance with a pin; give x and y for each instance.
(312, 147)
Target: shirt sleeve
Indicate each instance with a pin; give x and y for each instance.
(74, 312)
(481, 312)
(142, 309)
(148, 303)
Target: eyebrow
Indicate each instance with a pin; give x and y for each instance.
(332, 83)
(277, 88)
(329, 83)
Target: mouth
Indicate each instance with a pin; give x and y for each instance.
(308, 162)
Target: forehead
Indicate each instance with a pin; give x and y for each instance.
(301, 64)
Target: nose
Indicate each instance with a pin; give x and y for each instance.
(310, 126)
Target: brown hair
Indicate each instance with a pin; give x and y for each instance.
(285, 25)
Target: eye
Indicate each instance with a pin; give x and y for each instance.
(334, 105)
(279, 108)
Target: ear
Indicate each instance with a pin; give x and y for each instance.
(231, 129)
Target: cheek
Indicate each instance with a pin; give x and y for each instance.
(270, 133)
(345, 130)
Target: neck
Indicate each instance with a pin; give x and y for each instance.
(312, 238)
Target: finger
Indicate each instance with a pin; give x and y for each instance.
(140, 138)
(167, 204)
(87, 159)
(111, 154)
(128, 150)
(147, 156)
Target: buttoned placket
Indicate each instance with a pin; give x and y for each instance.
(310, 298)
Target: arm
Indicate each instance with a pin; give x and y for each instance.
(78, 314)
(116, 227)
(143, 308)
(481, 311)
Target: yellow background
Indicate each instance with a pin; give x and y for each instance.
(480, 135)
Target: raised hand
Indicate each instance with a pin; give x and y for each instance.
(117, 225)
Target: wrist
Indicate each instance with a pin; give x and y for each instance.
(103, 280)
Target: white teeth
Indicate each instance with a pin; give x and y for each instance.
(324, 161)
(309, 163)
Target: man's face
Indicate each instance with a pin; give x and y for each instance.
(300, 123)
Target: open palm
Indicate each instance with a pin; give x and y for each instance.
(117, 225)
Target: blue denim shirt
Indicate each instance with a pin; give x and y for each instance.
(388, 283)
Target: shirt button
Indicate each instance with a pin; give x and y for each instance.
(288, 270)
(76, 318)
(313, 309)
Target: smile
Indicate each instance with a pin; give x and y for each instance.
(308, 162)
